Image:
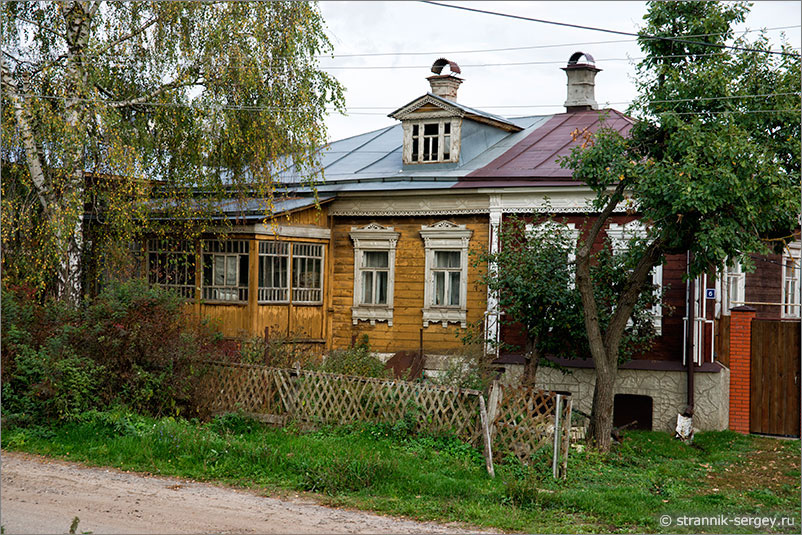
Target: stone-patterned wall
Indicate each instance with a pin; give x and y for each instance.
(667, 390)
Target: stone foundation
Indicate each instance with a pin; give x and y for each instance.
(666, 388)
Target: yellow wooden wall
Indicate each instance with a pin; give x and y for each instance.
(409, 287)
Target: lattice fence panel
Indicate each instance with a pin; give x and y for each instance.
(524, 422)
(316, 397)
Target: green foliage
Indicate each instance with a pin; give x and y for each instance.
(356, 360)
(131, 345)
(534, 281)
(169, 99)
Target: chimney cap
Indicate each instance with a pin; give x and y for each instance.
(437, 66)
(589, 63)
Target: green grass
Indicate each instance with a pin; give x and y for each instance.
(388, 470)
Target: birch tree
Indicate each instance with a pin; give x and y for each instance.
(106, 104)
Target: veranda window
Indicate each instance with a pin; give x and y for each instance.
(171, 264)
(273, 271)
(307, 273)
(225, 270)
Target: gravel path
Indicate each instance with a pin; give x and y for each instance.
(42, 495)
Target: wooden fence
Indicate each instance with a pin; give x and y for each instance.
(520, 421)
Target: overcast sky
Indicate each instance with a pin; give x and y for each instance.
(414, 35)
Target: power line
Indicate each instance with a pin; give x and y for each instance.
(305, 110)
(607, 30)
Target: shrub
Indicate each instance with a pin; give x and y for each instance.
(356, 360)
(132, 345)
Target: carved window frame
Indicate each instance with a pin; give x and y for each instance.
(370, 238)
(445, 236)
(619, 237)
(569, 229)
(419, 123)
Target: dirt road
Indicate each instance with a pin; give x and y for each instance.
(41, 495)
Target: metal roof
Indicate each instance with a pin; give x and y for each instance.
(536, 157)
(255, 209)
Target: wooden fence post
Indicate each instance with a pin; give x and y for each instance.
(557, 432)
(566, 437)
(493, 402)
(486, 437)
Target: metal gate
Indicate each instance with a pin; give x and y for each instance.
(775, 378)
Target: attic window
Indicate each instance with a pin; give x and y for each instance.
(430, 142)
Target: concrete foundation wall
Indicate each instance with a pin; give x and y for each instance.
(666, 388)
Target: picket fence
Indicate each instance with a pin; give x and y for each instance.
(520, 421)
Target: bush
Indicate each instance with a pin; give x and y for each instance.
(356, 360)
(132, 345)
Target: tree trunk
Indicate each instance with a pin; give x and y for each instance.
(530, 364)
(601, 415)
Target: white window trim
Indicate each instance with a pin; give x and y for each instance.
(733, 277)
(619, 237)
(454, 140)
(445, 236)
(373, 237)
(791, 299)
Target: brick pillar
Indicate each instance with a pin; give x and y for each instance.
(740, 366)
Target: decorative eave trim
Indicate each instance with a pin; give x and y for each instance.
(407, 112)
(282, 231)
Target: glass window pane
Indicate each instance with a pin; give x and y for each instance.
(381, 288)
(378, 259)
(244, 268)
(231, 270)
(447, 127)
(431, 129)
(207, 269)
(414, 130)
(367, 287)
(439, 287)
(414, 149)
(219, 270)
(454, 290)
(447, 259)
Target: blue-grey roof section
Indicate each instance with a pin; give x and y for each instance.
(257, 208)
(376, 157)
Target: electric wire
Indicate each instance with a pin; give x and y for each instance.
(617, 32)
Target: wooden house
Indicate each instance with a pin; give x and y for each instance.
(388, 254)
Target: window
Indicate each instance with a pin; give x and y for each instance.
(446, 272)
(791, 273)
(734, 288)
(307, 273)
(374, 273)
(569, 233)
(273, 271)
(225, 270)
(171, 264)
(430, 141)
(620, 235)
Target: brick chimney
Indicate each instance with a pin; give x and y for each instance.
(445, 85)
(581, 83)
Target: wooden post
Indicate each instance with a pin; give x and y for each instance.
(567, 445)
(267, 346)
(486, 437)
(493, 402)
(253, 287)
(556, 451)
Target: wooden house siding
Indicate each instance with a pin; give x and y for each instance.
(404, 334)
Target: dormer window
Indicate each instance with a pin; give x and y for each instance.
(431, 141)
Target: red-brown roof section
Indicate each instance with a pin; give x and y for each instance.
(535, 158)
